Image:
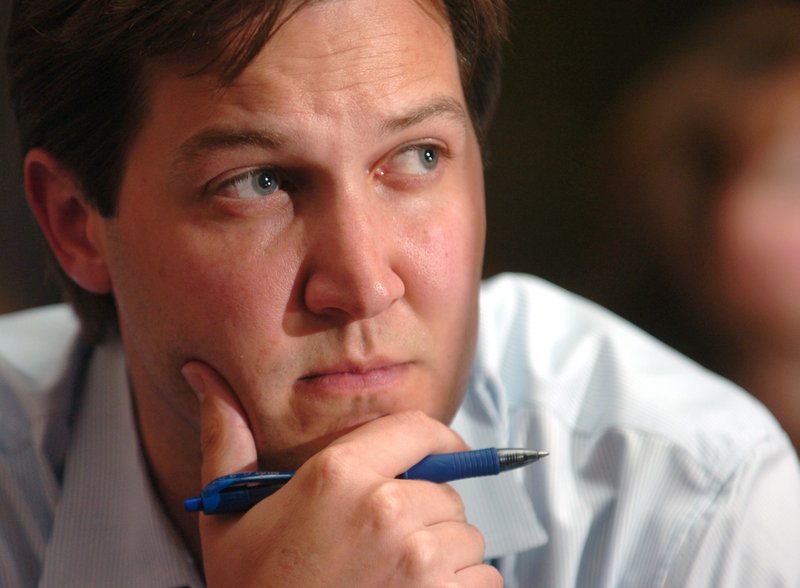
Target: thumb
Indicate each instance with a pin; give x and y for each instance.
(226, 441)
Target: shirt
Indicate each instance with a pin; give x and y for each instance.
(660, 473)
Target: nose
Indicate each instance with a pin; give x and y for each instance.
(351, 258)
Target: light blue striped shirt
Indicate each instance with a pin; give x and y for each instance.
(659, 474)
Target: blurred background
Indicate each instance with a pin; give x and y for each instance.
(567, 62)
(22, 281)
(568, 65)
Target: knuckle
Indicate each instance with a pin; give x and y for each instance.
(419, 554)
(482, 575)
(387, 505)
(478, 537)
(334, 464)
(454, 497)
(494, 578)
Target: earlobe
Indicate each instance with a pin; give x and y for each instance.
(70, 225)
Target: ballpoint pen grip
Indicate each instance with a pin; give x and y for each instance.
(447, 467)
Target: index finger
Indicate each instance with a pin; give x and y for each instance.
(225, 437)
(392, 444)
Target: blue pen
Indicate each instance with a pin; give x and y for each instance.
(239, 492)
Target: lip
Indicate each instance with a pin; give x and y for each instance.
(354, 379)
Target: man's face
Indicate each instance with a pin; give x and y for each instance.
(757, 268)
(314, 232)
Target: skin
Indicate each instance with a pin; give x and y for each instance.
(758, 223)
(300, 251)
(756, 277)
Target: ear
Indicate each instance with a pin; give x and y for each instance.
(71, 226)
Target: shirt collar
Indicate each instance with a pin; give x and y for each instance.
(109, 527)
(498, 506)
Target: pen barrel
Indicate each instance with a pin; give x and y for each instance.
(447, 467)
(240, 500)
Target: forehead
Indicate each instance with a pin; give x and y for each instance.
(365, 44)
(360, 50)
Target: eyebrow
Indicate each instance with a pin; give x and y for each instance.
(221, 138)
(442, 106)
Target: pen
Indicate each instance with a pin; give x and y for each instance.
(239, 492)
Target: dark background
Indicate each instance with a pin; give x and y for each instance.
(567, 62)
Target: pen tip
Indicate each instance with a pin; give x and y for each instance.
(514, 458)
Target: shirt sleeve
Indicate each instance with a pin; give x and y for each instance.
(750, 533)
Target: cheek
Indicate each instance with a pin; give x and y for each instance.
(448, 238)
(447, 262)
(191, 291)
(445, 251)
(759, 249)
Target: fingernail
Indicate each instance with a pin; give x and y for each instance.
(195, 381)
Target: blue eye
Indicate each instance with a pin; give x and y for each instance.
(254, 183)
(429, 157)
(265, 181)
(414, 160)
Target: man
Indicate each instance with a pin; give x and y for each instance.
(281, 206)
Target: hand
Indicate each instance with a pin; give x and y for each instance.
(343, 519)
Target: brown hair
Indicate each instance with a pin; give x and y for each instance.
(76, 78)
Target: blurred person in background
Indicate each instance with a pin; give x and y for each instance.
(702, 161)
